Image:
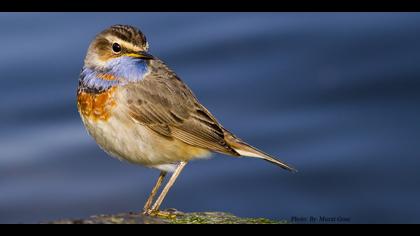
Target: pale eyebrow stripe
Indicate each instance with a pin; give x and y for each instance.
(125, 44)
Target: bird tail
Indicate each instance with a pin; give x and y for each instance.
(245, 149)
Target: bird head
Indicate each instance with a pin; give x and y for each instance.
(117, 43)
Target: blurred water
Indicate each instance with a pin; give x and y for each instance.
(334, 94)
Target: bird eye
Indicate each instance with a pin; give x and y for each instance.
(116, 47)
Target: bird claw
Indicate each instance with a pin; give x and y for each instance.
(170, 214)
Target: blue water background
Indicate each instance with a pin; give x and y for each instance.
(334, 94)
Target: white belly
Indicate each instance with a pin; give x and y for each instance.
(125, 139)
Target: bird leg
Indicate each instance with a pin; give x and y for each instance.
(168, 186)
(154, 191)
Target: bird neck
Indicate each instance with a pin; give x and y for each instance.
(118, 71)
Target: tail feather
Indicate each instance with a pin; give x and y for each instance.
(245, 149)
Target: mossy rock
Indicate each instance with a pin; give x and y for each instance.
(218, 218)
(176, 217)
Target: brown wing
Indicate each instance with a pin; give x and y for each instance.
(163, 103)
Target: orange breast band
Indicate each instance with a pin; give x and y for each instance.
(96, 106)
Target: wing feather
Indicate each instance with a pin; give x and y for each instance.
(163, 103)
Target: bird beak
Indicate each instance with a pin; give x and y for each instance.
(142, 55)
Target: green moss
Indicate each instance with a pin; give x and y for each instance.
(218, 218)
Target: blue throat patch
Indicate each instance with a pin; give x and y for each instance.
(124, 69)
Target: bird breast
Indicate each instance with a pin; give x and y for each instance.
(98, 106)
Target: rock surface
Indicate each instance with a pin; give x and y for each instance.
(176, 217)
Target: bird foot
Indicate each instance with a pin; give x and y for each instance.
(168, 214)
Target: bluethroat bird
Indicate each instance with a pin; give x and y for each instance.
(137, 109)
